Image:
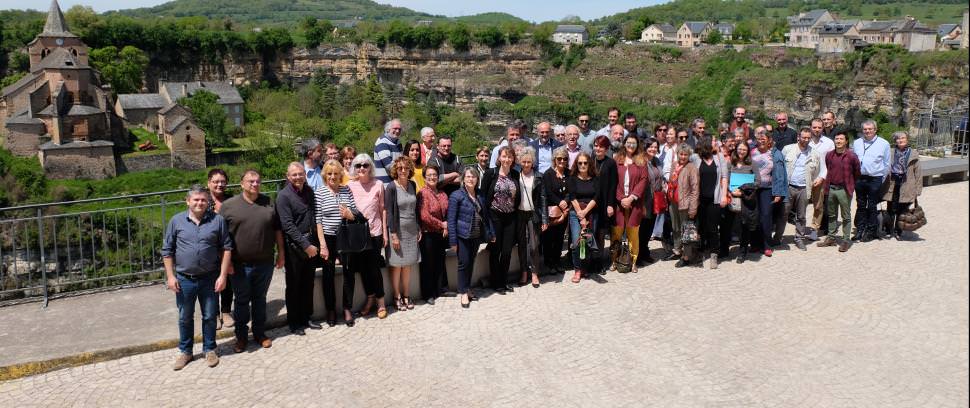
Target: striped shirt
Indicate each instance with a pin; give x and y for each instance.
(327, 211)
(386, 149)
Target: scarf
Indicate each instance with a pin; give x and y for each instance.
(900, 159)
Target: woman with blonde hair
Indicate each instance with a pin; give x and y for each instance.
(334, 203)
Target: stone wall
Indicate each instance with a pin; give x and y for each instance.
(93, 162)
(23, 139)
(141, 162)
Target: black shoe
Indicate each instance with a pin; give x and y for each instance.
(448, 293)
(680, 264)
(673, 257)
(501, 291)
(349, 323)
(430, 301)
(510, 288)
(741, 257)
(535, 285)
(298, 332)
(800, 245)
(313, 325)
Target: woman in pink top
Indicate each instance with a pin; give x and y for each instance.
(368, 194)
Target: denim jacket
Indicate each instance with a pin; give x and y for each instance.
(779, 176)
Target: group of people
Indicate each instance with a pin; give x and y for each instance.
(567, 188)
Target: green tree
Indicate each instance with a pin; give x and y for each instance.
(459, 37)
(714, 37)
(315, 31)
(80, 18)
(124, 70)
(210, 116)
(490, 36)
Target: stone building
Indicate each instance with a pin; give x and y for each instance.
(803, 28)
(692, 33)
(726, 30)
(184, 138)
(839, 36)
(657, 33)
(908, 33)
(141, 109)
(570, 34)
(59, 111)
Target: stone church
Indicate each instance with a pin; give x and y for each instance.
(59, 111)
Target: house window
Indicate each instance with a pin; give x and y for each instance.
(188, 138)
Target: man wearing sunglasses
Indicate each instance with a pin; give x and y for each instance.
(586, 135)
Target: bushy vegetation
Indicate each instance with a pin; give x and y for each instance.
(210, 116)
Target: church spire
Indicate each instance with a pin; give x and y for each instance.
(55, 25)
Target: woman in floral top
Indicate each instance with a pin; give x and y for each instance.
(500, 187)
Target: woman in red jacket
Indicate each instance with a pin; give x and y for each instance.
(632, 177)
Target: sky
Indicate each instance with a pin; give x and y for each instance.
(530, 10)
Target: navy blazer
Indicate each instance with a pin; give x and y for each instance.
(461, 212)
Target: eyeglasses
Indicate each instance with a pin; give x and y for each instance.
(631, 144)
(582, 163)
(444, 146)
(362, 166)
(682, 137)
(662, 130)
(560, 159)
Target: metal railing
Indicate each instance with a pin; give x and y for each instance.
(51, 249)
(941, 133)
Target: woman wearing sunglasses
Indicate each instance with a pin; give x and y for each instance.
(368, 194)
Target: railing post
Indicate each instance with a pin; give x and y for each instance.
(43, 260)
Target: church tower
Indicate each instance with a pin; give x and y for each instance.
(55, 36)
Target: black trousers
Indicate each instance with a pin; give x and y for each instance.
(329, 270)
(500, 251)
(726, 228)
(433, 246)
(552, 245)
(225, 298)
(867, 198)
(299, 289)
(645, 231)
(708, 218)
(366, 264)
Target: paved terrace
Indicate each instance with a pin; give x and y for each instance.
(885, 325)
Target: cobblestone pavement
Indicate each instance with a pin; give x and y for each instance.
(884, 325)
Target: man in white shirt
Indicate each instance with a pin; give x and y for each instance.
(613, 119)
(822, 145)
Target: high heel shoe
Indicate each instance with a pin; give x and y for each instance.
(535, 280)
(331, 319)
(399, 304)
(407, 303)
(349, 321)
(465, 301)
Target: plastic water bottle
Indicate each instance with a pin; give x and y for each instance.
(582, 247)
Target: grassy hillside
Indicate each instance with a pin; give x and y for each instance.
(279, 11)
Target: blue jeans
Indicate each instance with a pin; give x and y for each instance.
(467, 251)
(250, 282)
(574, 230)
(204, 289)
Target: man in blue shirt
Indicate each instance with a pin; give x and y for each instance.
(544, 145)
(874, 155)
(197, 252)
(312, 153)
(386, 149)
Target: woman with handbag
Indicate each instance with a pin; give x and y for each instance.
(433, 208)
(294, 204)
(904, 184)
(334, 203)
(503, 194)
(583, 188)
(533, 216)
(400, 204)
(368, 194)
(631, 184)
(468, 226)
(654, 201)
(741, 206)
(557, 201)
(682, 195)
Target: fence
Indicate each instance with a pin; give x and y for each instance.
(50, 249)
(941, 133)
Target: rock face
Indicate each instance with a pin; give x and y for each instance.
(466, 77)
(512, 72)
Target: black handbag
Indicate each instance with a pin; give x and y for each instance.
(353, 236)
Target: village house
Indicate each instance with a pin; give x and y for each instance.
(839, 36)
(908, 33)
(950, 36)
(803, 28)
(60, 112)
(692, 33)
(726, 30)
(142, 109)
(570, 34)
(657, 33)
